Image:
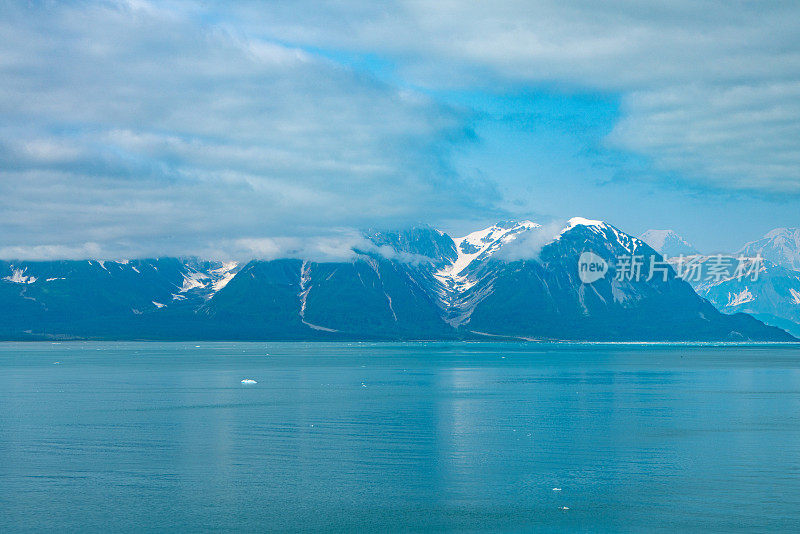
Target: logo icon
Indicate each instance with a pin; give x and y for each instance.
(591, 267)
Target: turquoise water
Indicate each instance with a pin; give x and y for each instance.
(137, 437)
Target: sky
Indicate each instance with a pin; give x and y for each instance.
(260, 129)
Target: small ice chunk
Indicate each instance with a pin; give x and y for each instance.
(249, 381)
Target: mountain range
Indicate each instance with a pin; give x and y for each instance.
(513, 280)
(773, 296)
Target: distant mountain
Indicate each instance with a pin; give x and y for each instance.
(781, 246)
(668, 243)
(772, 296)
(509, 281)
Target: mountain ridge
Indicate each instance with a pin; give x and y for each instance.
(418, 283)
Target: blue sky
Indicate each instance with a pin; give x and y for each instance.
(547, 151)
(135, 128)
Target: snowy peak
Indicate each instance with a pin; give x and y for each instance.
(488, 240)
(582, 221)
(668, 243)
(479, 246)
(780, 246)
(601, 231)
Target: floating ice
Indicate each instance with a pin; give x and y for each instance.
(249, 381)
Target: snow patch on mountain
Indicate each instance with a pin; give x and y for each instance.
(305, 288)
(391, 308)
(223, 275)
(18, 276)
(212, 280)
(194, 280)
(742, 297)
(795, 295)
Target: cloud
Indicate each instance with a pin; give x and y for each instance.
(734, 137)
(146, 130)
(709, 90)
(132, 128)
(337, 246)
(528, 245)
(44, 252)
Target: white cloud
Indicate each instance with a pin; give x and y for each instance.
(178, 127)
(709, 89)
(148, 131)
(47, 252)
(528, 245)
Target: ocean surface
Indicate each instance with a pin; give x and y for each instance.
(158, 437)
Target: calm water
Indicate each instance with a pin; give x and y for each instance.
(160, 437)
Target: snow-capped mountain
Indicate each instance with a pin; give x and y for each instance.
(773, 296)
(668, 243)
(457, 287)
(736, 284)
(545, 297)
(781, 246)
(467, 270)
(477, 247)
(511, 280)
